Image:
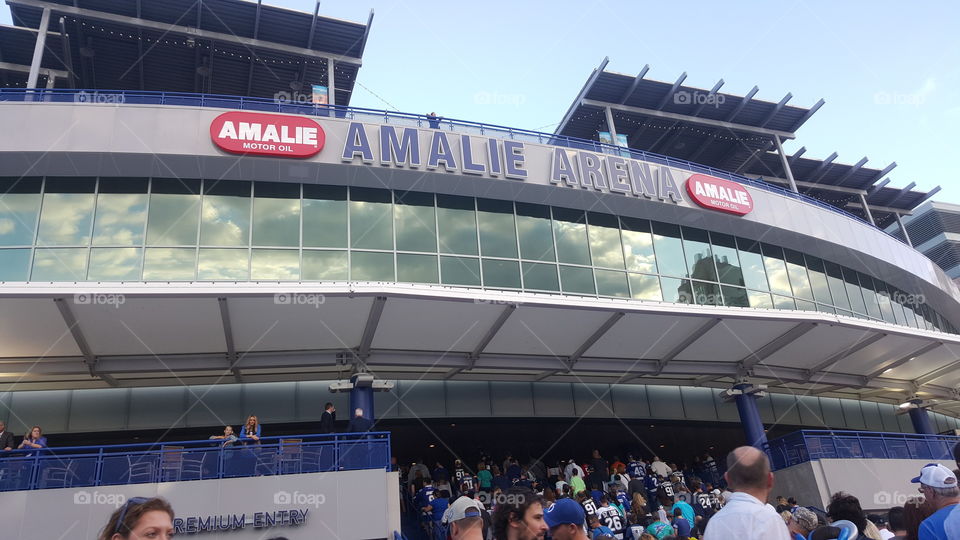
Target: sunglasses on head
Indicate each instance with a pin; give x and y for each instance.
(126, 506)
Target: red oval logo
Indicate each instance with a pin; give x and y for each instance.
(719, 194)
(241, 132)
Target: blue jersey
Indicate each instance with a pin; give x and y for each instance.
(425, 496)
(624, 500)
(635, 469)
(650, 482)
(439, 506)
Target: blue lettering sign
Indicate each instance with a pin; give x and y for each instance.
(619, 177)
(561, 170)
(513, 152)
(441, 152)
(466, 153)
(404, 151)
(591, 170)
(357, 143)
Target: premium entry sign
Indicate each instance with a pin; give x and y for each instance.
(241, 132)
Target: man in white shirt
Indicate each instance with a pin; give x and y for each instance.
(568, 470)
(747, 516)
(660, 468)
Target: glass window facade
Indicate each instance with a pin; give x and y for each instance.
(159, 229)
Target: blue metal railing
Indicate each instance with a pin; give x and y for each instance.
(83, 466)
(57, 95)
(809, 445)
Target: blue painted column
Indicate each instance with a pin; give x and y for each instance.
(920, 418)
(750, 416)
(361, 396)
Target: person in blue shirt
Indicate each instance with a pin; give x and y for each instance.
(34, 439)
(436, 508)
(651, 483)
(596, 493)
(681, 524)
(635, 468)
(597, 530)
(939, 487)
(670, 506)
(423, 500)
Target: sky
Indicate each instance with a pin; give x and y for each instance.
(888, 71)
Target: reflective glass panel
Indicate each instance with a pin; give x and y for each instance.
(541, 277)
(417, 268)
(223, 265)
(416, 224)
(797, 271)
(173, 264)
(760, 299)
(371, 220)
(638, 246)
(734, 296)
(460, 271)
(19, 206)
(501, 273)
(325, 266)
(605, 245)
(457, 225)
(577, 280)
(751, 262)
(67, 213)
(776, 270)
(534, 231)
(366, 266)
(677, 291)
(225, 220)
(669, 249)
(174, 216)
(707, 294)
(818, 280)
(570, 231)
(870, 296)
(14, 264)
(324, 216)
(853, 291)
(276, 214)
(696, 245)
(645, 287)
(275, 264)
(115, 264)
(498, 233)
(612, 283)
(837, 288)
(62, 264)
(728, 262)
(121, 215)
(783, 302)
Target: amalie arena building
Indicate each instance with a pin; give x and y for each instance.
(195, 226)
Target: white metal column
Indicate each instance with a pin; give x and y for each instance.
(786, 164)
(38, 49)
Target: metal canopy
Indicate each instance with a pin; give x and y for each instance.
(232, 47)
(730, 132)
(178, 334)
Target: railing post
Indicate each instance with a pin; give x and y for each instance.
(98, 470)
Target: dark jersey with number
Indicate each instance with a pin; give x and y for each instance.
(468, 483)
(611, 518)
(635, 470)
(589, 506)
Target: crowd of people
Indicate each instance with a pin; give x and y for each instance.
(654, 500)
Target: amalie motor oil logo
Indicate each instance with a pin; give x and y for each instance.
(719, 194)
(241, 132)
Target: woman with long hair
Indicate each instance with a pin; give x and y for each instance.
(140, 518)
(914, 512)
(251, 430)
(34, 439)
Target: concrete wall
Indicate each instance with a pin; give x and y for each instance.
(115, 409)
(878, 483)
(350, 504)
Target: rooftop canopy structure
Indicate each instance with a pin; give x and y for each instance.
(731, 132)
(231, 47)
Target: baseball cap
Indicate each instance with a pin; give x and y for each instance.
(462, 508)
(805, 518)
(564, 511)
(936, 475)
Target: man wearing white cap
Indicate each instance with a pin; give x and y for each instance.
(464, 519)
(939, 487)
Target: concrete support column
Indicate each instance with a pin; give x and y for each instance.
(786, 164)
(610, 125)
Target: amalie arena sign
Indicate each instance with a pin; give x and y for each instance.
(242, 132)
